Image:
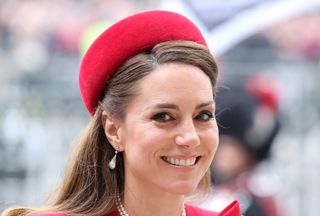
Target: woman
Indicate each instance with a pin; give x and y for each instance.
(149, 83)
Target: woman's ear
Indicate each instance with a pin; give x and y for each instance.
(112, 129)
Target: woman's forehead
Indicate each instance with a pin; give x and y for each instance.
(174, 83)
(176, 76)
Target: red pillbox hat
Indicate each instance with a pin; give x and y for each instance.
(128, 37)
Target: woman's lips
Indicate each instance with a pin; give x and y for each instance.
(181, 161)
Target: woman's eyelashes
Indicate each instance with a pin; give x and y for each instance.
(204, 116)
(162, 117)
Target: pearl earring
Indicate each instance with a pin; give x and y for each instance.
(112, 163)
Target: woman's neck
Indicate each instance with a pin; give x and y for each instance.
(146, 200)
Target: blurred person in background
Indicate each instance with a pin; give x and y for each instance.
(147, 146)
(248, 120)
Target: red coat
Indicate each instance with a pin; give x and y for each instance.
(231, 210)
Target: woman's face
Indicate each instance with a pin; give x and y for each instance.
(169, 135)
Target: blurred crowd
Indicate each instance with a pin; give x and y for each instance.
(31, 31)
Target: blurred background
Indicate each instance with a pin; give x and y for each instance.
(41, 112)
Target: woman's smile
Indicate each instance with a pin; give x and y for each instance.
(183, 161)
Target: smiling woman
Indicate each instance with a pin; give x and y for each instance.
(165, 129)
(153, 133)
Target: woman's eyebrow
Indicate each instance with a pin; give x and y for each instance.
(204, 104)
(173, 106)
(165, 106)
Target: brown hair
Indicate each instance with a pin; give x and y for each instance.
(89, 186)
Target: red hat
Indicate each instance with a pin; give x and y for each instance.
(130, 36)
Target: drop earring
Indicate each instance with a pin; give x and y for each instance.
(112, 163)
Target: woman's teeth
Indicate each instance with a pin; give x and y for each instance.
(180, 162)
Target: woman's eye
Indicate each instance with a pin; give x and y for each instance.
(205, 116)
(162, 117)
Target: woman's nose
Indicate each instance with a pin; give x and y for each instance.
(187, 136)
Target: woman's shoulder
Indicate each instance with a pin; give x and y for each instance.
(196, 211)
(233, 209)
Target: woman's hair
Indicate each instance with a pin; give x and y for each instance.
(89, 186)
